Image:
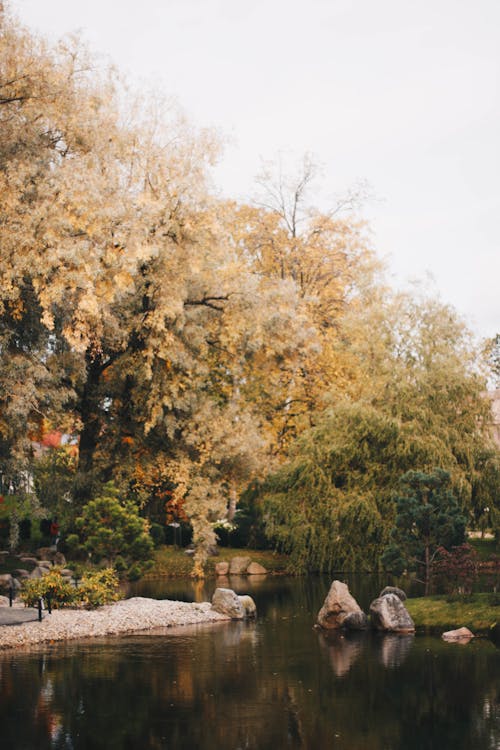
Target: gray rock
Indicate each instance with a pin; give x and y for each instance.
(48, 553)
(21, 573)
(461, 634)
(355, 621)
(255, 569)
(221, 568)
(31, 560)
(6, 582)
(394, 590)
(341, 610)
(388, 613)
(67, 573)
(45, 564)
(227, 602)
(4, 601)
(239, 565)
(38, 572)
(248, 605)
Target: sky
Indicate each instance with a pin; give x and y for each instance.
(403, 96)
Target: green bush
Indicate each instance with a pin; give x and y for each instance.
(157, 532)
(110, 528)
(98, 587)
(95, 588)
(53, 585)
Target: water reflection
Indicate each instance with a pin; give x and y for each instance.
(274, 683)
(394, 648)
(342, 650)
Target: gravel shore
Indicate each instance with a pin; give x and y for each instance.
(126, 616)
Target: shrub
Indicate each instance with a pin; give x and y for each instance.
(95, 588)
(109, 527)
(62, 593)
(98, 587)
(457, 569)
(157, 532)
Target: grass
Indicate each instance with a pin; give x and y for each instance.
(478, 612)
(173, 562)
(485, 548)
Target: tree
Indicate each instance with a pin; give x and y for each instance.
(324, 257)
(428, 517)
(122, 305)
(492, 351)
(109, 528)
(330, 507)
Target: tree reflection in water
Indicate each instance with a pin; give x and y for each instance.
(275, 683)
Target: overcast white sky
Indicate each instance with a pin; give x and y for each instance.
(402, 94)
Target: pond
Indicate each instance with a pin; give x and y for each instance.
(273, 683)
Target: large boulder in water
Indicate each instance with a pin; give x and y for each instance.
(388, 613)
(341, 610)
(227, 602)
(394, 590)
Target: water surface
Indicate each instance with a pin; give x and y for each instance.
(274, 683)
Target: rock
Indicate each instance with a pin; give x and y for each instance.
(355, 621)
(67, 573)
(38, 572)
(221, 568)
(45, 564)
(248, 605)
(47, 553)
(227, 602)
(31, 560)
(461, 634)
(340, 609)
(394, 590)
(388, 613)
(21, 573)
(239, 565)
(4, 601)
(255, 569)
(6, 582)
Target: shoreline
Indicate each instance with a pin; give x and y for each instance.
(125, 616)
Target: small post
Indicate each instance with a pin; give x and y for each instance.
(11, 595)
(40, 605)
(49, 604)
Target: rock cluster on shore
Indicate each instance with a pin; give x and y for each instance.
(387, 611)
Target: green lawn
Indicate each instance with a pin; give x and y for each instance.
(173, 562)
(479, 612)
(485, 548)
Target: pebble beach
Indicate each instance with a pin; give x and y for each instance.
(126, 616)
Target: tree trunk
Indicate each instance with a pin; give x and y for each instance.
(89, 409)
(427, 570)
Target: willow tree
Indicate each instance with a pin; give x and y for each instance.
(420, 373)
(329, 507)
